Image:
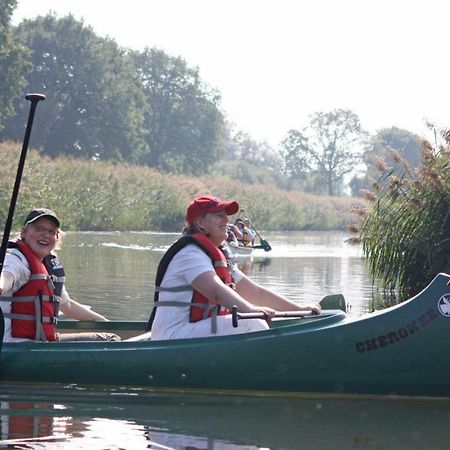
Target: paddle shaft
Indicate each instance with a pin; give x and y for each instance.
(34, 99)
(292, 314)
(253, 226)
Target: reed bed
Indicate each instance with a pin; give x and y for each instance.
(406, 232)
(106, 196)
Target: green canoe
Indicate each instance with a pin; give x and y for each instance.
(400, 350)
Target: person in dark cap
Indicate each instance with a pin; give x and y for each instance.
(196, 285)
(32, 285)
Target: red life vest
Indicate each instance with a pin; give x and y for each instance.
(201, 307)
(220, 264)
(34, 306)
(19, 424)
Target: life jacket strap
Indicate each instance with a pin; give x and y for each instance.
(220, 264)
(173, 289)
(31, 298)
(39, 276)
(172, 303)
(207, 308)
(52, 320)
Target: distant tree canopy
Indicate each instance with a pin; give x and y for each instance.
(13, 62)
(106, 102)
(183, 119)
(94, 107)
(326, 150)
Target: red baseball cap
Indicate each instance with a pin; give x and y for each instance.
(209, 204)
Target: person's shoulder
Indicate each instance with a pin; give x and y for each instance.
(190, 248)
(14, 254)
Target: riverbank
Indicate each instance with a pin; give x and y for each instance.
(105, 196)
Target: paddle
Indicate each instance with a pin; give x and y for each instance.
(334, 301)
(262, 242)
(282, 314)
(34, 99)
(329, 302)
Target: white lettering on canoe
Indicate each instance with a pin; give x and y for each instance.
(392, 337)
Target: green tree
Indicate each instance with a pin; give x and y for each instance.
(327, 149)
(94, 106)
(241, 146)
(13, 63)
(184, 122)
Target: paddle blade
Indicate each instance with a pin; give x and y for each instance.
(265, 245)
(334, 301)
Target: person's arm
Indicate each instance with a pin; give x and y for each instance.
(236, 231)
(212, 287)
(77, 311)
(6, 281)
(255, 293)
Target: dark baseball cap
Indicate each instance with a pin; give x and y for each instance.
(36, 214)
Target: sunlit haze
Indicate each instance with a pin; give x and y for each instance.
(276, 62)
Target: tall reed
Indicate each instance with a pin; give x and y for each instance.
(406, 233)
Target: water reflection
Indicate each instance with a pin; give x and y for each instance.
(143, 419)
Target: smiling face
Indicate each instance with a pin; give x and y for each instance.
(41, 235)
(215, 225)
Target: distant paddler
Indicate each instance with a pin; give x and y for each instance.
(250, 232)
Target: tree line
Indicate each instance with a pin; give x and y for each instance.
(106, 102)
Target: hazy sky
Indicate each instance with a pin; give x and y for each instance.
(278, 61)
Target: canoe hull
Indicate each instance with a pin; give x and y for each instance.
(400, 350)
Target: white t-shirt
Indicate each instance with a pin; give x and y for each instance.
(172, 322)
(17, 265)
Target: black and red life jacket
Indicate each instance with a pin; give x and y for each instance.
(201, 308)
(34, 307)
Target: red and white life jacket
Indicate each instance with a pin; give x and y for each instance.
(17, 422)
(34, 307)
(201, 307)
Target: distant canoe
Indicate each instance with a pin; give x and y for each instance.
(241, 251)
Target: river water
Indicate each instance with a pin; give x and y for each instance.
(114, 274)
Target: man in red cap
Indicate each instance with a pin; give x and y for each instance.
(196, 286)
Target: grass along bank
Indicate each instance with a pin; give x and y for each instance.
(106, 196)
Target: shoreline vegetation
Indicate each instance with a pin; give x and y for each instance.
(107, 196)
